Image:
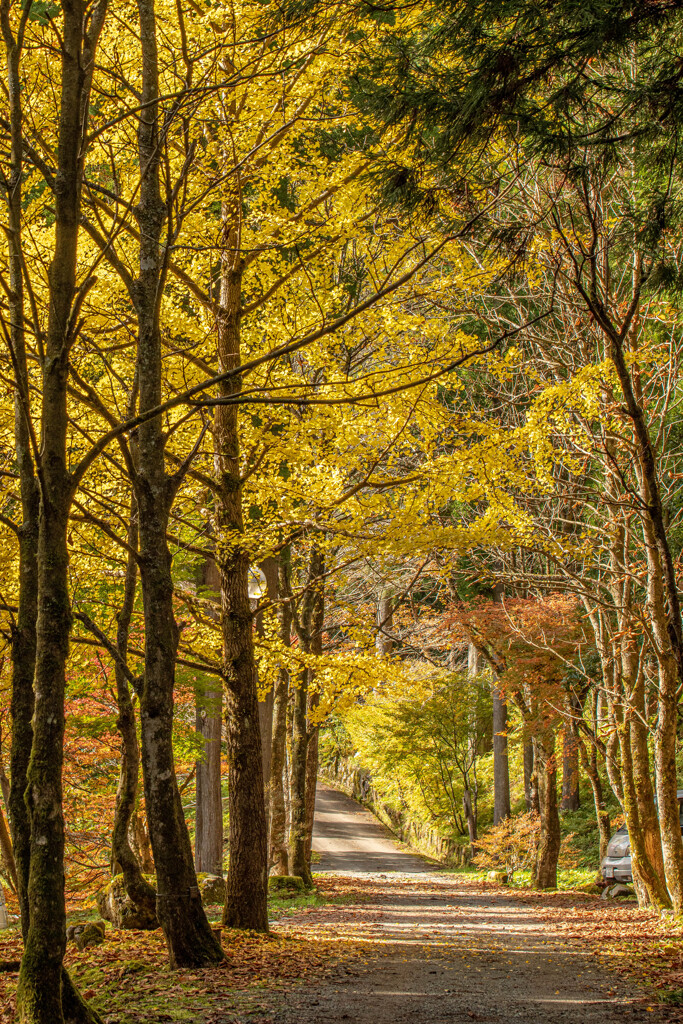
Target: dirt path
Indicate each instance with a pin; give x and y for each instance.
(442, 949)
(349, 838)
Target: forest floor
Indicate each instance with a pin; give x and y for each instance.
(397, 947)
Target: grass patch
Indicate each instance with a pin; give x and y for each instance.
(568, 879)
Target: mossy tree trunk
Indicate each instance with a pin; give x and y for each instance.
(179, 909)
(24, 627)
(45, 993)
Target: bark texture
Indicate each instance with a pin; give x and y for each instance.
(545, 868)
(277, 852)
(570, 768)
(24, 627)
(501, 770)
(246, 887)
(179, 909)
(140, 892)
(208, 843)
(43, 995)
(309, 623)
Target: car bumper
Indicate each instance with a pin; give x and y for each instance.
(616, 869)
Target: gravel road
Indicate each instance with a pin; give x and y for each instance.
(350, 839)
(442, 950)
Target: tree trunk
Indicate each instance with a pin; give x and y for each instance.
(139, 833)
(246, 892)
(469, 796)
(7, 853)
(298, 864)
(269, 568)
(501, 772)
(570, 768)
(139, 891)
(468, 811)
(384, 643)
(208, 842)
(648, 820)
(309, 629)
(663, 601)
(311, 783)
(545, 870)
(24, 629)
(640, 860)
(528, 772)
(590, 766)
(44, 987)
(179, 908)
(277, 857)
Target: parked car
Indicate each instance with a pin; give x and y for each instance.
(616, 865)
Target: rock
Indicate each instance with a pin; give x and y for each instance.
(87, 933)
(115, 906)
(620, 890)
(290, 884)
(500, 877)
(92, 935)
(211, 889)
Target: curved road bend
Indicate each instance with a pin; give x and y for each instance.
(349, 838)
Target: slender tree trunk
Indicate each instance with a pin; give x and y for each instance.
(469, 796)
(277, 857)
(501, 771)
(179, 908)
(590, 766)
(528, 771)
(208, 842)
(468, 811)
(7, 853)
(641, 864)
(309, 625)
(648, 820)
(385, 620)
(45, 994)
(139, 834)
(663, 600)
(545, 871)
(311, 783)
(297, 783)
(246, 898)
(670, 679)
(312, 747)
(24, 629)
(138, 889)
(570, 768)
(269, 568)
